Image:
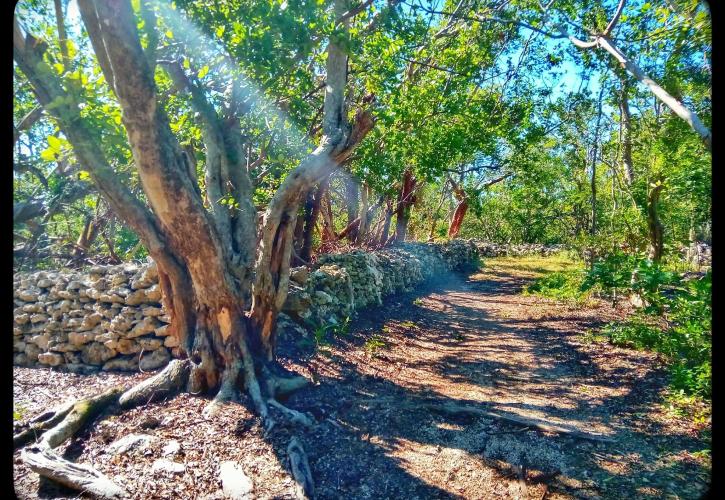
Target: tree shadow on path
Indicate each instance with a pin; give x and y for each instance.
(381, 437)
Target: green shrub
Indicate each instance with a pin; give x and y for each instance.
(677, 324)
(562, 285)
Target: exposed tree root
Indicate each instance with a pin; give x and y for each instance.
(305, 487)
(82, 412)
(42, 423)
(294, 416)
(170, 380)
(58, 425)
(283, 386)
(227, 393)
(81, 477)
(538, 424)
(42, 459)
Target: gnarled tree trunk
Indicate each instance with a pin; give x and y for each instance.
(222, 288)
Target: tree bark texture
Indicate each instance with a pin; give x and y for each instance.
(406, 198)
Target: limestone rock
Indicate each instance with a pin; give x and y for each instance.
(143, 327)
(130, 442)
(122, 363)
(155, 359)
(299, 274)
(96, 354)
(50, 358)
(80, 338)
(171, 342)
(171, 449)
(164, 465)
(235, 483)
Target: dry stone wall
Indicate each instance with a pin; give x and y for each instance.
(111, 317)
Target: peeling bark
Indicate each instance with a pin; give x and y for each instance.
(406, 198)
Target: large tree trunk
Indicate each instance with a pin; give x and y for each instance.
(406, 198)
(222, 301)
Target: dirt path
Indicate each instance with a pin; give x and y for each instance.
(478, 341)
(474, 341)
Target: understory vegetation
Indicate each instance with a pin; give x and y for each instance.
(674, 317)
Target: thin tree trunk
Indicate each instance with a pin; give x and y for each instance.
(312, 213)
(595, 158)
(626, 134)
(352, 200)
(457, 220)
(328, 233)
(406, 198)
(676, 106)
(654, 224)
(385, 229)
(364, 207)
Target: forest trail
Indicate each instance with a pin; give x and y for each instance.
(474, 341)
(480, 342)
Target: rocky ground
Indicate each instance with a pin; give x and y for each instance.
(475, 341)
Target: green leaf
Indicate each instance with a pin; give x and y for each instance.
(220, 31)
(72, 49)
(203, 71)
(59, 68)
(48, 155)
(54, 143)
(169, 34)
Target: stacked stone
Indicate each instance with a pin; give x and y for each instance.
(109, 318)
(340, 284)
(487, 249)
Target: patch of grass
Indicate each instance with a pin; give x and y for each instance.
(532, 265)
(18, 412)
(693, 408)
(322, 334)
(418, 302)
(408, 324)
(560, 285)
(373, 344)
(682, 332)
